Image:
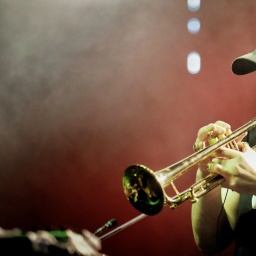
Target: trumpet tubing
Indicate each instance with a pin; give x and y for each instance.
(145, 189)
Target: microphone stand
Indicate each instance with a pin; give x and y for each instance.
(122, 227)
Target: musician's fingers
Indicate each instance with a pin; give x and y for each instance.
(92, 238)
(212, 129)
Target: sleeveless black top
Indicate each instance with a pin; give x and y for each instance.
(245, 232)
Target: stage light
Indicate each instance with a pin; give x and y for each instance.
(193, 5)
(193, 63)
(193, 25)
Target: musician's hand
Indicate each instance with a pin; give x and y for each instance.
(86, 244)
(237, 167)
(213, 130)
(206, 133)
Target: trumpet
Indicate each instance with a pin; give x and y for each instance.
(145, 189)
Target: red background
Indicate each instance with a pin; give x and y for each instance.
(91, 87)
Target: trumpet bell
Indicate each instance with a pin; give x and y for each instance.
(143, 190)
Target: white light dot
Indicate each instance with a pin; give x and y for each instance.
(193, 5)
(193, 63)
(193, 25)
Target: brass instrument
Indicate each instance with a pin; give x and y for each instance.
(145, 189)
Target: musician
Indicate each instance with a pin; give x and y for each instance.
(228, 212)
(41, 242)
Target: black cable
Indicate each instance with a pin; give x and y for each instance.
(218, 221)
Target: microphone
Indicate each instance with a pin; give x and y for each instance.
(111, 223)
